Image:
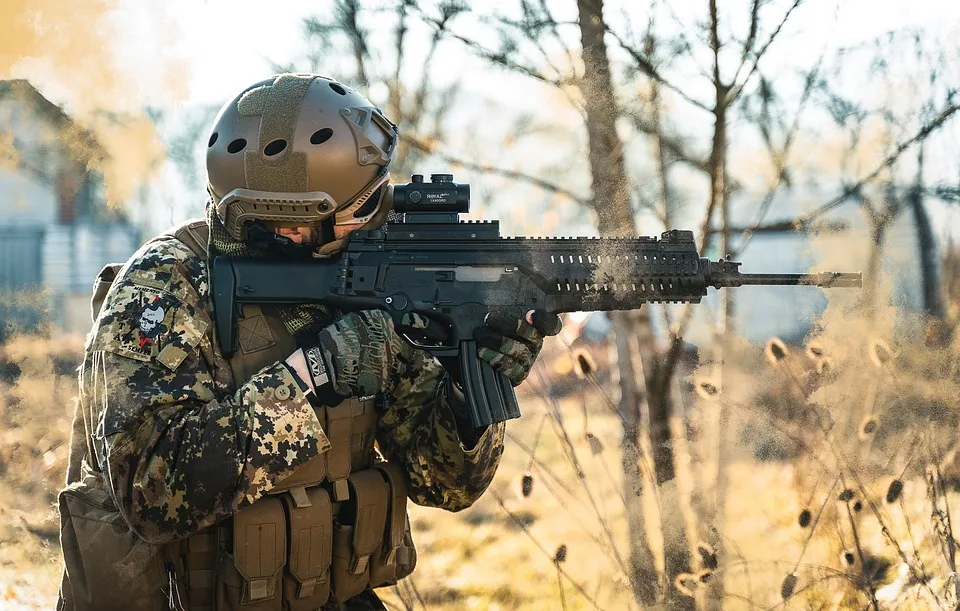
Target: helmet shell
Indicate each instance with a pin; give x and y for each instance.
(296, 149)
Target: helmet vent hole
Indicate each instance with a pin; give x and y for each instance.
(274, 148)
(321, 135)
(213, 139)
(236, 146)
(338, 88)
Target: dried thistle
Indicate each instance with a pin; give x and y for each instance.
(560, 555)
(879, 352)
(788, 586)
(824, 365)
(848, 558)
(894, 491)
(775, 350)
(596, 447)
(815, 352)
(686, 584)
(707, 555)
(868, 426)
(846, 495)
(583, 363)
(805, 518)
(526, 484)
(707, 389)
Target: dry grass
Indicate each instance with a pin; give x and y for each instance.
(562, 545)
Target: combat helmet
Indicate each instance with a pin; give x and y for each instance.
(299, 150)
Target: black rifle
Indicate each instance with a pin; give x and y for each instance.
(455, 272)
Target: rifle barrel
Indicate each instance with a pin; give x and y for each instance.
(824, 279)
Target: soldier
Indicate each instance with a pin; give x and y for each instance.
(278, 478)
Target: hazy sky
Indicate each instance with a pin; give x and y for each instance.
(219, 46)
(125, 54)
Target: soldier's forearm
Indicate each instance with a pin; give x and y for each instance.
(189, 463)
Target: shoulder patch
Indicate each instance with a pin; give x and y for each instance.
(146, 324)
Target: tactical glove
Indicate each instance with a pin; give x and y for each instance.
(362, 354)
(511, 345)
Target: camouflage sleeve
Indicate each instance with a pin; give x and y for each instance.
(418, 430)
(182, 452)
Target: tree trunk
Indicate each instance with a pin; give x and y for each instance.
(718, 200)
(615, 217)
(932, 299)
(643, 573)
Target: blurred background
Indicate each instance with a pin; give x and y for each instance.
(770, 447)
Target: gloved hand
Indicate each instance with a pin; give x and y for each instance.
(511, 345)
(362, 354)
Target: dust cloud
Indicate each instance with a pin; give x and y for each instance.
(101, 61)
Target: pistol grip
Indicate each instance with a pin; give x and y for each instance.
(490, 395)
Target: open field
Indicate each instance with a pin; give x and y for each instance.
(503, 552)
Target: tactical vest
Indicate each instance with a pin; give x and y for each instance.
(335, 527)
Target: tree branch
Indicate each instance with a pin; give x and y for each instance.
(489, 169)
(651, 71)
(925, 131)
(736, 89)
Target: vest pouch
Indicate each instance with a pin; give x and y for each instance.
(358, 533)
(101, 286)
(362, 435)
(383, 564)
(306, 584)
(249, 579)
(107, 566)
(407, 554)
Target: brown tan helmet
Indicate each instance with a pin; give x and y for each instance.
(295, 150)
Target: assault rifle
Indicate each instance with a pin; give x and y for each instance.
(455, 272)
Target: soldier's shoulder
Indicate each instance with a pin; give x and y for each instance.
(166, 264)
(156, 309)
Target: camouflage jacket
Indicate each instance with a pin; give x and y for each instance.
(182, 447)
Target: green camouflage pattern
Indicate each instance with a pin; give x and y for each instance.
(418, 430)
(511, 345)
(366, 354)
(183, 447)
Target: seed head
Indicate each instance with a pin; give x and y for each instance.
(526, 484)
(880, 352)
(846, 495)
(583, 363)
(788, 586)
(707, 555)
(868, 427)
(707, 389)
(815, 352)
(686, 584)
(824, 365)
(805, 518)
(560, 555)
(894, 491)
(775, 350)
(596, 447)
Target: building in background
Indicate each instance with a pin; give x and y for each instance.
(56, 230)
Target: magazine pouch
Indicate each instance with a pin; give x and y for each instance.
(306, 586)
(249, 578)
(358, 533)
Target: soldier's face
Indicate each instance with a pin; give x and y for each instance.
(310, 235)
